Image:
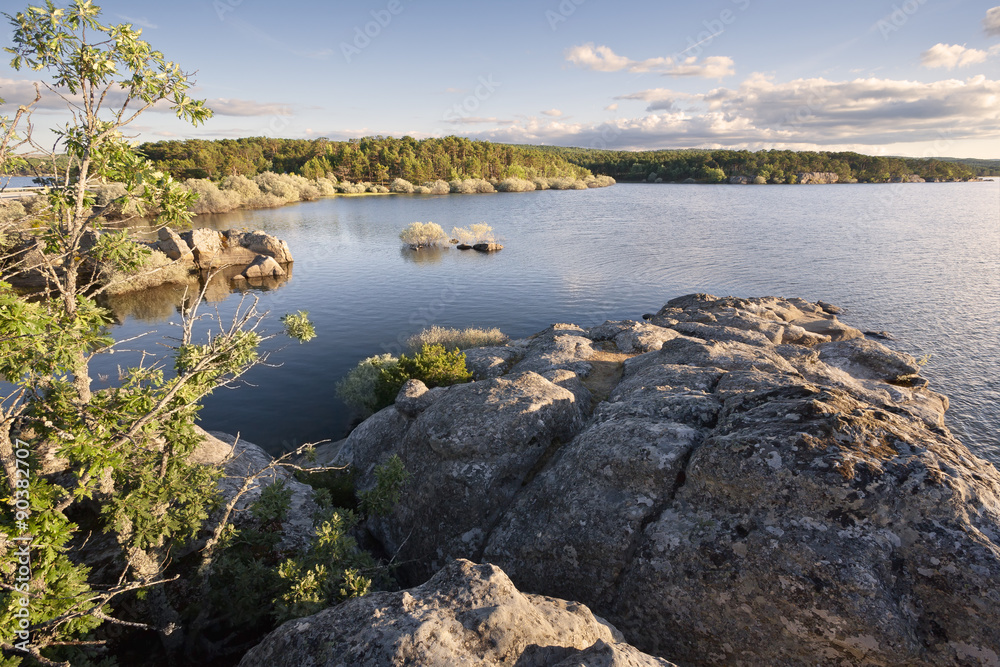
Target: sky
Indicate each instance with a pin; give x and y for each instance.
(884, 77)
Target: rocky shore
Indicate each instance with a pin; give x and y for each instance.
(174, 258)
(726, 481)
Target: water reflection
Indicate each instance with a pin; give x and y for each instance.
(160, 303)
(432, 255)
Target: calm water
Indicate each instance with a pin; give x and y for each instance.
(919, 261)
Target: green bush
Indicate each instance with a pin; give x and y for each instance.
(434, 365)
(357, 389)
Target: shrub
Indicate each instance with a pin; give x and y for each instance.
(401, 186)
(478, 233)
(348, 188)
(567, 183)
(357, 389)
(438, 187)
(421, 190)
(541, 183)
(157, 269)
(420, 234)
(601, 181)
(326, 186)
(210, 198)
(471, 186)
(434, 365)
(456, 339)
(515, 185)
(379, 189)
(11, 210)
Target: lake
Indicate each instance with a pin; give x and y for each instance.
(917, 260)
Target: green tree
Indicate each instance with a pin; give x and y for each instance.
(116, 461)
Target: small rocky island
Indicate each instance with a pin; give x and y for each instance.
(727, 481)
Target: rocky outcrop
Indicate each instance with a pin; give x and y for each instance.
(764, 485)
(240, 460)
(262, 255)
(466, 614)
(212, 249)
(822, 177)
(909, 178)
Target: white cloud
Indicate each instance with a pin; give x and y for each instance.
(603, 59)
(233, 107)
(991, 24)
(804, 113)
(951, 56)
(611, 107)
(554, 113)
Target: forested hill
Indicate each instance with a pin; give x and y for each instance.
(372, 159)
(382, 159)
(773, 166)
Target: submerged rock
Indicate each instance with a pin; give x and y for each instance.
(763, 486)
(467, 614)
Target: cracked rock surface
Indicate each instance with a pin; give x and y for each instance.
(467, 614)
(764, 485)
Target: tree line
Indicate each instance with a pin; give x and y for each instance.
(773, 166)
(375, 159)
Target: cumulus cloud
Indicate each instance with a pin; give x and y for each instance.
(603, 59)
(951, 56)
(991, 24)
(554, 113)
(477, 120)
(233, 107)
(804, 113)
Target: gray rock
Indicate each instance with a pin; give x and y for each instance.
(867, 359)
(246, 459)
(469, 453)
(632, 337)
(787, 497)
(414, 397)
(491, 362)
(205, 244)
(172, 245)
(263, 267)
(561, 346)
(260, 243)
(467, 614)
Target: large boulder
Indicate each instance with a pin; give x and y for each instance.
(467, 614)
(173, 246)
(765, 486)
(470, 451)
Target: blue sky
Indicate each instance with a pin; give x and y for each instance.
(901, 77)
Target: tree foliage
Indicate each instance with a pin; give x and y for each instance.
(375, 159)
(775, 166)
(115, 463)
